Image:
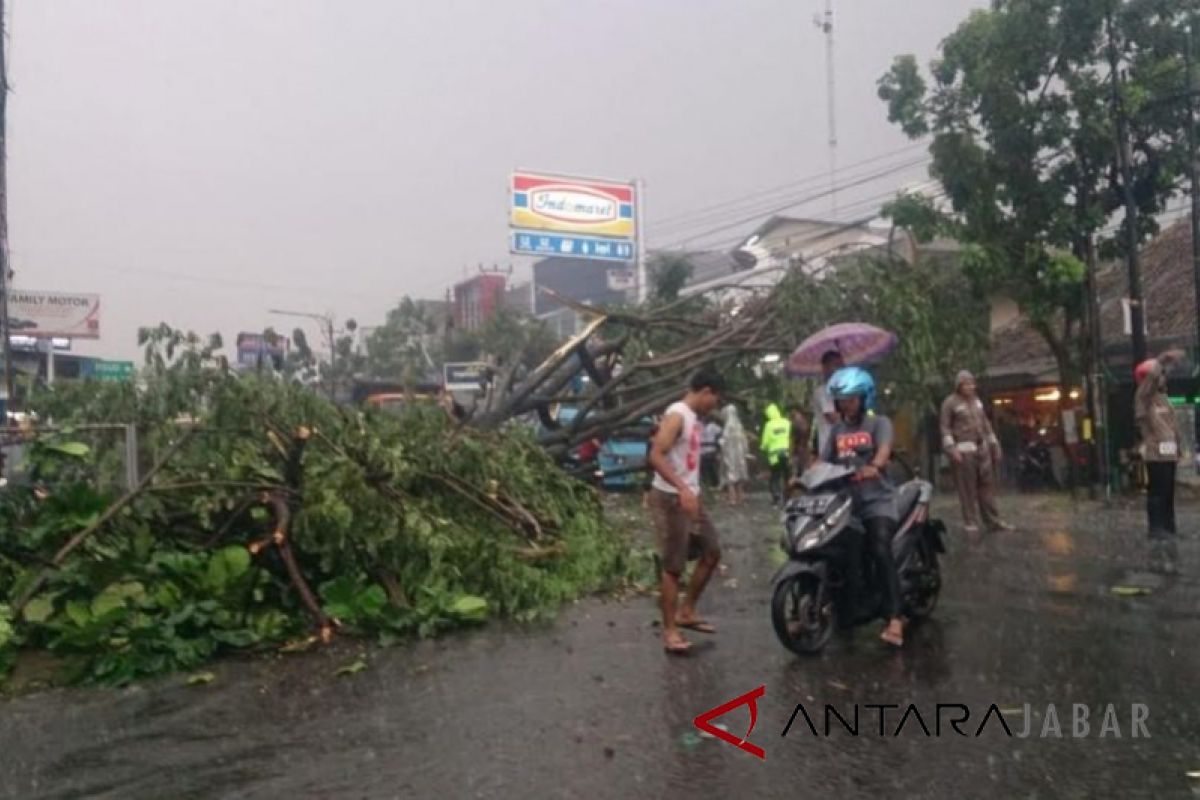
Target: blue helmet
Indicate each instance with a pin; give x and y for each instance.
(849, 381)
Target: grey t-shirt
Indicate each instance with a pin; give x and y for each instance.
(855, 446)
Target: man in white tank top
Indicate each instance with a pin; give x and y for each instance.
(683, 528)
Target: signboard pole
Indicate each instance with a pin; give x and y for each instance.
(643, 289)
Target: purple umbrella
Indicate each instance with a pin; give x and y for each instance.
(858, 343)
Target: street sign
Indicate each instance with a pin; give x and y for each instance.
(532, 243)
(112, 371)
(465, 376)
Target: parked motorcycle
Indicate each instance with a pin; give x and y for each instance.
(824, 542)
(1036, 467)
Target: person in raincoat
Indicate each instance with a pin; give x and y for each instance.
(734, 452)
(1161, 439)
(776, 445)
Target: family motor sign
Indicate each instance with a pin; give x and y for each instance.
(557, 204)
(49, 314)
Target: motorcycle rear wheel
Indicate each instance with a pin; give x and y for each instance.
(922, 603)
(799, 624)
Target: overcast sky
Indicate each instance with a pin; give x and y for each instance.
(201, 162)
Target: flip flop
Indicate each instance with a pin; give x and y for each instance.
(698, 625)
(892, 639)
(681, 647)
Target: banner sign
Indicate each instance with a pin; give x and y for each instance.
(48, 314)
(573, 205)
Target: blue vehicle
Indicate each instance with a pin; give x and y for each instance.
(620, 461)
(622, 458)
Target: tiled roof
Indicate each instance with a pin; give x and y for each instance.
(1168, 296)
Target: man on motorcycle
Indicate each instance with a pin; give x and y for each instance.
(863, 440)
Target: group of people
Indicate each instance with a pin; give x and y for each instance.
(860, 439)
(849, 432)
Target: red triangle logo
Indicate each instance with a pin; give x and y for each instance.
(748, 699)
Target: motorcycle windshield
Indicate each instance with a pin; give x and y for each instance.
(821, 474)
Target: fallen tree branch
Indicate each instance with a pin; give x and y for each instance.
(99, 523)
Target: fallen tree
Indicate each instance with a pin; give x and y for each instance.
(272, 516)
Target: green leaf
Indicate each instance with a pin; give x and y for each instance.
(226, 566)
(236, 638)
(6, 628)
(39, 609)
(115, 596)
(78, 613)
(469, 607)
(200, 679)
(352, 669)
(73, 449)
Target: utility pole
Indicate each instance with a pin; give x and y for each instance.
(1189, 55)
(825, 24)
(4, 265)
(1124, 159)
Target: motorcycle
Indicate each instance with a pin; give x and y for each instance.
(1036, 467)
(824, 541)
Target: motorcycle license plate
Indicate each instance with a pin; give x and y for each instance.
(814, 505)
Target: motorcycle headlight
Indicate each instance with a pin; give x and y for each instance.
(837, 516)
(809, 540)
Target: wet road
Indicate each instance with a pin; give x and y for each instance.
(589, 706)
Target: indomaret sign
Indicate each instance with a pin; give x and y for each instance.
(557, 215)
(49, 314)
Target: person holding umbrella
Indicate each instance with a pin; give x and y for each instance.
(974, 452)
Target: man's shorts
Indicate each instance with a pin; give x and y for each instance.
(681, 539)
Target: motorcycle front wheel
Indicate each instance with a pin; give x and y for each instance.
(801, 625)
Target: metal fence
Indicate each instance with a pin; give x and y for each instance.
(113, 454)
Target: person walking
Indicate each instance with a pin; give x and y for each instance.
(1158, 430)
(974, 451)
(734, 452)
(683, 528)
(824, 415)
(776, 445)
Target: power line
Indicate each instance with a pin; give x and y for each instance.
(673, 219)
(796, 201)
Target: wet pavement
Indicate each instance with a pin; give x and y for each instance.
(589, 706)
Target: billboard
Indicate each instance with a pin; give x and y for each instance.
(48, 314)
(559, 204)
(254, 348)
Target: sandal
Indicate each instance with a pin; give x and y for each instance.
(676, 645)
(894, 638)
(698, 625)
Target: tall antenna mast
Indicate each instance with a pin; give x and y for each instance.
(825, 24)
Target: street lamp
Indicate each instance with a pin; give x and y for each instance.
(326, 321)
